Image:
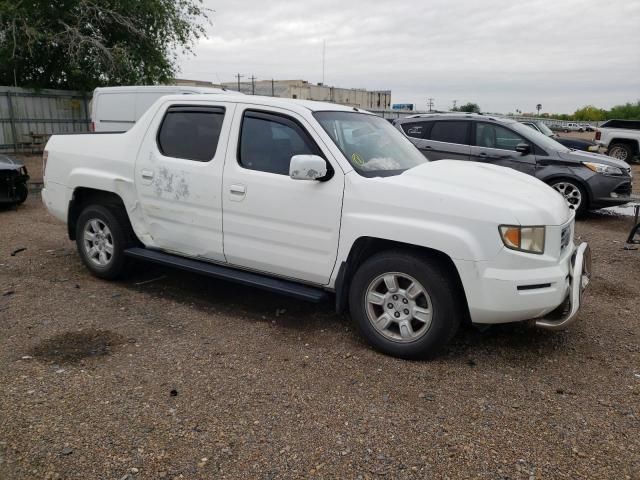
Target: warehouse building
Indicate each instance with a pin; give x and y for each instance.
(301, 89)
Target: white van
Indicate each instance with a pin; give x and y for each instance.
(116, 109)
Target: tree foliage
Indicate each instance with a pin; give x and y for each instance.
(469, 107)
(83, 44)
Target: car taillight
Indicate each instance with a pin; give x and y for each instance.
(597, 134)
(45, 156)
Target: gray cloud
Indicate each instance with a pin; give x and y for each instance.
(498, 53)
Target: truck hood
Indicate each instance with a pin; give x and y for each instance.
(581, 156)
(493, 191)
(8, 163)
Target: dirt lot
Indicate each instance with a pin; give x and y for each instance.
(170, 375)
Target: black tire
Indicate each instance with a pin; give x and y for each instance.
(443, 294)
(22, 192)
(121, 234)
(621, 151)
(584, 204)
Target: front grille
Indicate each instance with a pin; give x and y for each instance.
(565, 237)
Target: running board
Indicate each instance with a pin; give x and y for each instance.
(285, 287)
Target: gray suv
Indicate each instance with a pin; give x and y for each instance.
(587, 180)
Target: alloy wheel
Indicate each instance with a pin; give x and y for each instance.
(398, 307)
(98, 242)
(571, 194)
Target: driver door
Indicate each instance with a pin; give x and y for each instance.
(496, 144)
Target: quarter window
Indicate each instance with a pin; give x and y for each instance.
(191, 133)
(267, 142)
(415, 129)
(495, 136)
(451, 132)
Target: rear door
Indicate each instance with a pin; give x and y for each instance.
(448, 139)
(178, 177)
(273, 223)
(496, 144)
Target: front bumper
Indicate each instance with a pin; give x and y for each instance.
(580, 277)
(516, 286)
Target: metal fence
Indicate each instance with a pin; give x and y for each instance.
(29, 117)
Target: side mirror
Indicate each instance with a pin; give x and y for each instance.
(307, 167)
(523, 148)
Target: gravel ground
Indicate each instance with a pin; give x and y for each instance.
(170, 375)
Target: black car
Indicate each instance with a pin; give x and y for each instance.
(587, 180)
(569, 142)
(13, 181)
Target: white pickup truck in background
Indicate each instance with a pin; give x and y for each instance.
(316, 199)
(621, 138)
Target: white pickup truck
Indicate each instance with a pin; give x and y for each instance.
(621, 138)
(314, 200)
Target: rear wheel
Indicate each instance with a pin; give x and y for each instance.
(102, 235)
(621, 151)
(573, 193)
(404, 304)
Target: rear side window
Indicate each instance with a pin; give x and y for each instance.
(191, 133)
(416, 129)
(451, 132)
(267, 142)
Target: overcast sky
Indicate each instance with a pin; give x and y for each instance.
(502, 54)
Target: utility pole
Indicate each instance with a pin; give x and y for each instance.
(239, 77)
(430, 104)
(324, 49)
(273, 90)
(455, 105)
(253, 85)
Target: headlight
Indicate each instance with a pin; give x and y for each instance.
(524, 239)
(602, 168)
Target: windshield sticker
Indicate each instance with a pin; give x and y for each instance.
(357, 159)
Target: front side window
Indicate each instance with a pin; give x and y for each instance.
(191, 133)
(371, 144)
(451, 132)
(267, 142)
(495, 136)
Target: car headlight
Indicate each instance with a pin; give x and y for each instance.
(523, 239)
(602, 168)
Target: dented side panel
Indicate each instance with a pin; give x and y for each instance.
(179, 200)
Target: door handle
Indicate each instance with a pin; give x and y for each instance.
(238, 189)
(146, 174)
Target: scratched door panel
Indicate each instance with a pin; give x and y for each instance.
(180, 197)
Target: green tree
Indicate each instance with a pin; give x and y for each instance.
(628, 111)
(83, 44)
(469, 107)
(589, 113)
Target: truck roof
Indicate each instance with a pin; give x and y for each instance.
(289, 103)
(157, 88)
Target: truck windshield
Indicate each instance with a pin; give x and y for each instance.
(373, 147)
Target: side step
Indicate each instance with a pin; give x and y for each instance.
(285, 287)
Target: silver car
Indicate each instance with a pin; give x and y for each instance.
(587, 180)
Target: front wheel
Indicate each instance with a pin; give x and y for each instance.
(404, 304)
(573, 193)
(102, 235)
